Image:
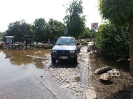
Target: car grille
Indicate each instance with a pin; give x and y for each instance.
(63, 51)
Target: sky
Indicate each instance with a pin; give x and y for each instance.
(29, 10)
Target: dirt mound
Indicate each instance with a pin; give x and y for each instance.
(119, 88)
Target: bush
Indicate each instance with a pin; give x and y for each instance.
(113, 41)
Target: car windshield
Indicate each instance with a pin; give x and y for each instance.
(65, 41)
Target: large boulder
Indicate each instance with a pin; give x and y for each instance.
(102, 70)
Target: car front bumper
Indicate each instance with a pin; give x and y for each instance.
(58, 56)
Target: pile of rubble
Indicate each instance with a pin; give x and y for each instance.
(106, 73)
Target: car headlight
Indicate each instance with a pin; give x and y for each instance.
(53, 51)
(72, 51)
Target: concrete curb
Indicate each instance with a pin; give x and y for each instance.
(90, 93)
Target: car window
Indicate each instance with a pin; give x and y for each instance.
(65, 41)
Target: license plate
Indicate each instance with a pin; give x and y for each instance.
(63, 57)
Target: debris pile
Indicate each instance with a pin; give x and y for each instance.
(106, 73)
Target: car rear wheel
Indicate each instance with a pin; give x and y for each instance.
(53, 60)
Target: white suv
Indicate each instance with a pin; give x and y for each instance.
(65, 49)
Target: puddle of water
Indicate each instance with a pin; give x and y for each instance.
(18, 64)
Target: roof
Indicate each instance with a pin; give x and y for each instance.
(66, 37)
(9, 36)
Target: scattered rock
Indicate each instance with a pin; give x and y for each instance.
(102, 70)
(77, 79)
(65, 86)
(91, 94)
(105, 77)
(90, 48)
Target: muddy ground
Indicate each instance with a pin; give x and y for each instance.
(120, 87)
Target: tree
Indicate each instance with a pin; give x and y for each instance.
(119, 12)
(74, 20)
(56, 29)
(109, 37)
(2, 34)
(18, 29)
(87, 33)
(39, 29)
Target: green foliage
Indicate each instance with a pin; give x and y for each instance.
(73, 19)
(19, 29)
(39, 29)
(112, 40)
(87, 34)
(55, 29)
(2, 34)
(116, 11)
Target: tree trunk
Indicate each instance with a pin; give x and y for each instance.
(131, 44)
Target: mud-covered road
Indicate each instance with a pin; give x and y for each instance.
(69, 80)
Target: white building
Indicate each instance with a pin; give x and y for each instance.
(9, 39)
